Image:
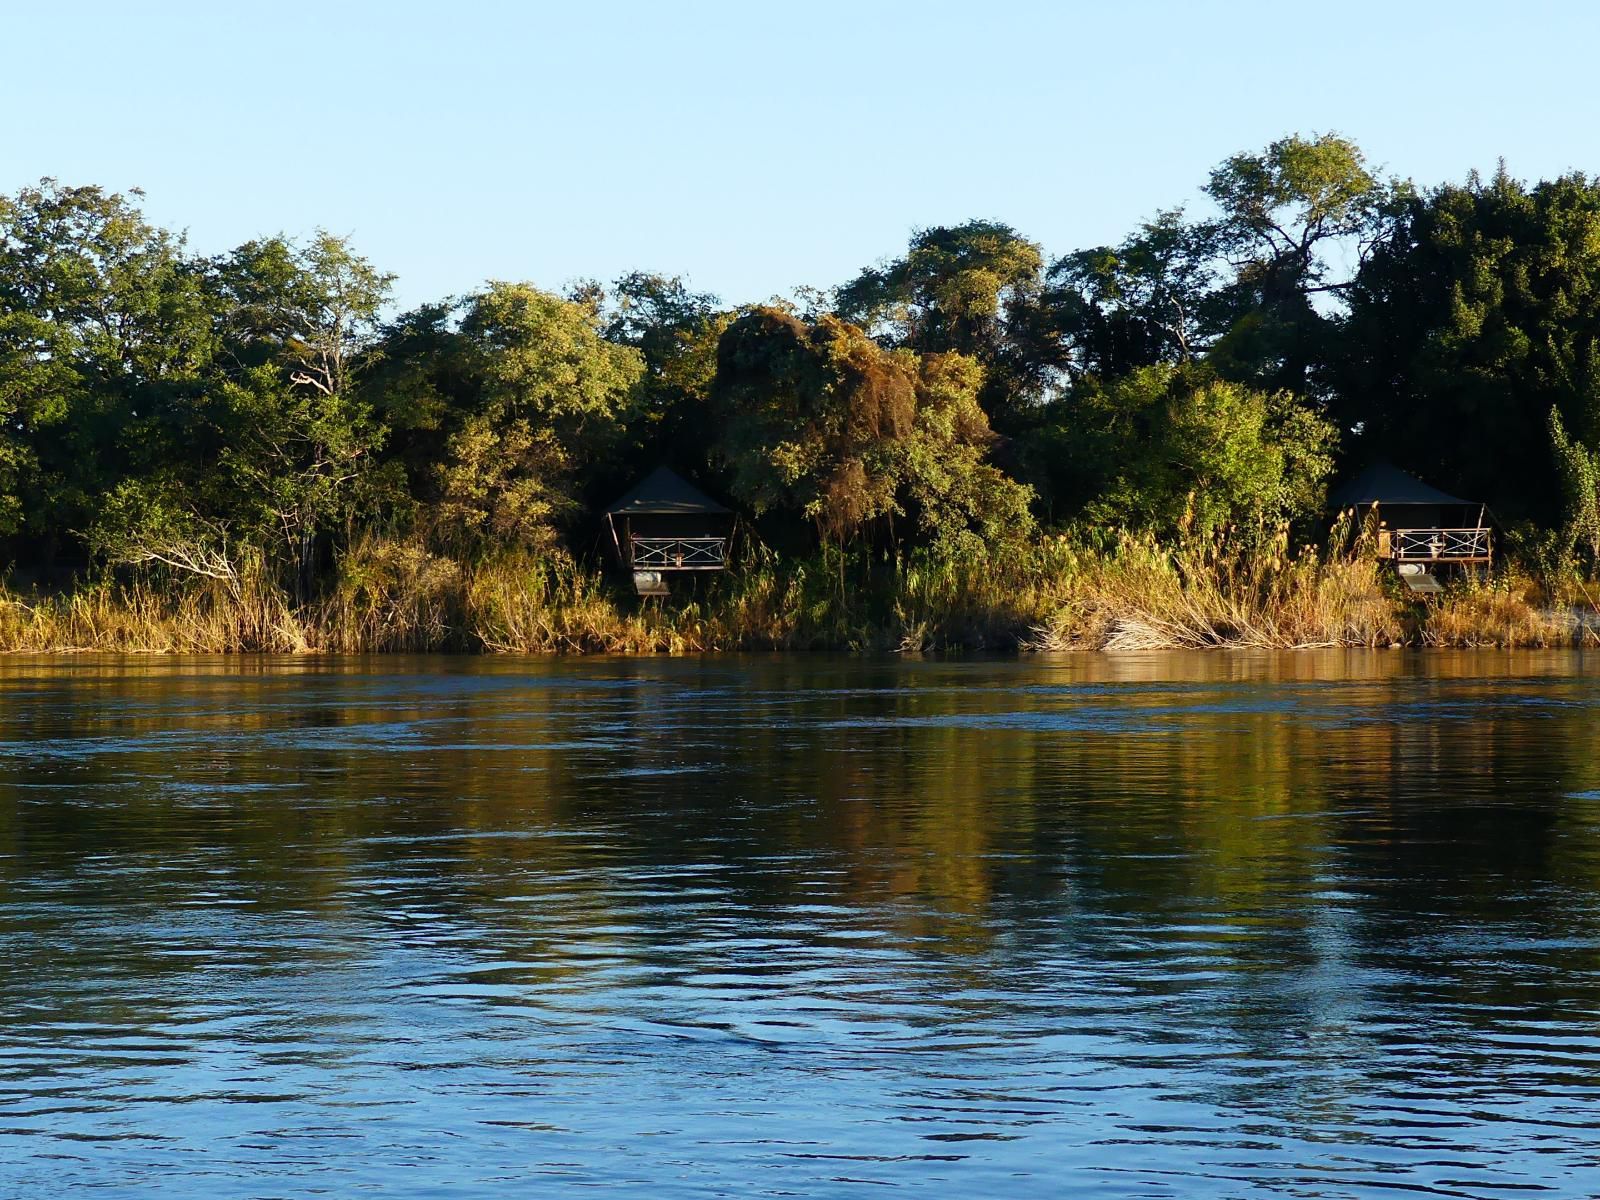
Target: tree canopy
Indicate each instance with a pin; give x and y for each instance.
(1209, 370)
(1476, 315)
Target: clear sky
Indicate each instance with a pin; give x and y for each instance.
(751, 146)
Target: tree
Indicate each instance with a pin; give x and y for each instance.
(810, 414)
(1578, 467)
(308, 310)
(1468, 324)
(105, 331)
(656, 314)
(1181, 451)
(675, 330)
(1136, 304)
(957, 289)
(283, 448)
(499, 413)
(1283, 215)
(302, 441)
(962, 502)
(1284, 206)
(823, 423)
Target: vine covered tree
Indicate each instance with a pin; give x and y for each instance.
(823, 422)
(967, 289)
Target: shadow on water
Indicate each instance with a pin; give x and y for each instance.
(1316, 925)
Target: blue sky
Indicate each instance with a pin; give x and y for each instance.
(752, 147)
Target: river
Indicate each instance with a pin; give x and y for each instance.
(1150, 925)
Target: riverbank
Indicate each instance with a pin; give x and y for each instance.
(1055, 594)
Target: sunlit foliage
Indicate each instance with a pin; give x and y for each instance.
(262, 424)
(823, 422)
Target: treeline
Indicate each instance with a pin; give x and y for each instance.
(259, 420)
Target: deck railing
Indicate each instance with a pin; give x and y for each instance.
(1439, 545)
(679, 554)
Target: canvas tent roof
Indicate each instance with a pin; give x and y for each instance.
(664, 491)
(1385, 483)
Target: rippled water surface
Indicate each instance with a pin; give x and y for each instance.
(1149, 926)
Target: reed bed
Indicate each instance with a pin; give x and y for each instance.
(1077, 591)
(143, 616)
(1142, 595)
(1503, 613)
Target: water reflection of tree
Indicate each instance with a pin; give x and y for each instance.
(1266, 832)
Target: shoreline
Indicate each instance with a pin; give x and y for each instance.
(1054, 595)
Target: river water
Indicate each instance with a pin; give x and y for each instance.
(1140, 926)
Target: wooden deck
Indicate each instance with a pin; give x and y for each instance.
(679, 553)
(1438, 545)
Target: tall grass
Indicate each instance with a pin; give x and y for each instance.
(1139, 594)
(1506, 612)
(155, 615)
(1084, 590)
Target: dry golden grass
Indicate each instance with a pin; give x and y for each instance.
(1505, 612)
(391, 594)
(1141, 595)
(138, 617)
(1059, 593)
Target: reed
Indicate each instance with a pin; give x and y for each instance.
(1507, 612)
(1140, 594)
(392, 594)
(1083, 590)
(155, 616)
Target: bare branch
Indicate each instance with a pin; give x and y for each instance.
(189, 557)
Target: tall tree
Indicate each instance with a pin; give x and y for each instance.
(303, 440)
(675, 330)
(500, 404)
(106, 330)
(1578, 468)
(283, 447)
(1177, 450)
(1469, 323)
(1141, 302)
(823, 423)
(957, 289)
(1289, 217)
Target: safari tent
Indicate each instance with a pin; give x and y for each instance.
(666, 525)
(1421, 529)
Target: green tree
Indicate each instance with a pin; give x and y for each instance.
(823, 423)
(966, 289)
(962, 502)
(675, 330)
(1468, 324)
(283, 449)
(106, 335)
(501, 404)
(1578, 467)
(1181, 451)
(1285, 216)
(302, 441)
(1141, 302)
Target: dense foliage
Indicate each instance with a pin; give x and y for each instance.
(264, 417)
